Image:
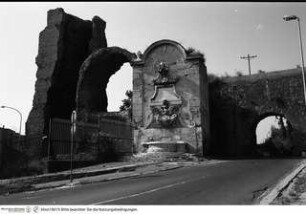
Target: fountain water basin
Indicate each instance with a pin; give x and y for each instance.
(164, 146)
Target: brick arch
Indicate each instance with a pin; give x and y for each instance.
(270, 108)
(94, 76)
(238, 103)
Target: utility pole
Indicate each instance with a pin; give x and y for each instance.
(248, 57)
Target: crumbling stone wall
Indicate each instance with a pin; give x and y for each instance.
(63, 46)
(237, 104)
(94, 76)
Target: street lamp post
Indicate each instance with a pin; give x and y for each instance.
(293, 17)
(19, 115)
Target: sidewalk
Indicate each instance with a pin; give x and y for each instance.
(295, 192)
(91, 174)
(291, 190)
(121, 173)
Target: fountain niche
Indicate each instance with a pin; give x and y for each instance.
(170, 100)
(165, 105)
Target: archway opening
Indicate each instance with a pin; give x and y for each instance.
(273, 136)
(118, 84)
(95, 74)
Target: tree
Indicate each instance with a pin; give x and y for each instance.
(261, 71)
(239, 73)
(279, 143)
(127, 103)
(281, 123)
(212, 77)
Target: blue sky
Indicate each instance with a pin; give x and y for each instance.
(223, 31)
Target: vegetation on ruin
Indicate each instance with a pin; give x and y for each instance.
(239, 74)
(261, 71)
(284, 141)
(126, 105)
(193, 52)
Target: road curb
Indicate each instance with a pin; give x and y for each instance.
(16, 185)
(80, 183)
(61, 179)
(132, 175)
(62, 183)
(271, 194)
(65, 174)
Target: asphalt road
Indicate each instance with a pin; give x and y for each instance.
(230, 182)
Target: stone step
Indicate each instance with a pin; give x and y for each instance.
(165, 146)
(165, 156)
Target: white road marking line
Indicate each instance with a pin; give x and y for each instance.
(148, 191)
(30, 197)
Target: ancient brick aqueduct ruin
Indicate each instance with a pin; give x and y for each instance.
(171, 92)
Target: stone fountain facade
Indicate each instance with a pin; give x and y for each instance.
(170, 100)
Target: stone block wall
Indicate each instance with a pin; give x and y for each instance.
(204, 110)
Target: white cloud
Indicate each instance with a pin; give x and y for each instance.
(259, 27)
